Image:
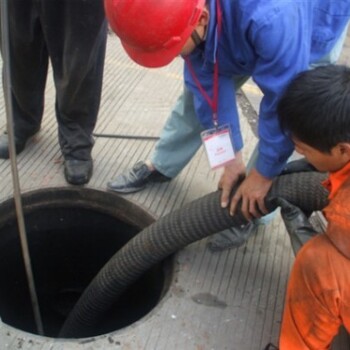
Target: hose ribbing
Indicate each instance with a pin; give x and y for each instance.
(194, 221)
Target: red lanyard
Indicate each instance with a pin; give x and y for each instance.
(213, 102)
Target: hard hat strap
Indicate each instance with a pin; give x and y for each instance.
(196, 38)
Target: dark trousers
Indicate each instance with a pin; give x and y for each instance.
(72, 34)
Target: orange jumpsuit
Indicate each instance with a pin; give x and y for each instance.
(318, 293)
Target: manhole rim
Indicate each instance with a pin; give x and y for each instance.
(11, 333)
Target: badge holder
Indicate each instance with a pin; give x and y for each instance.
(218, 145)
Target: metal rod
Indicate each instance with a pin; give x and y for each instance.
(128, 137)
(12, 150)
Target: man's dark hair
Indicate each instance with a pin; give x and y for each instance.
(315, 107)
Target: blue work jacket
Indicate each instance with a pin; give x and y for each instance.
(271, 41)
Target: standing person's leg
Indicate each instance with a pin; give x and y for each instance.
(179, 141)
(29, 64)
(318, 297)
(180, 138)
(76, 33)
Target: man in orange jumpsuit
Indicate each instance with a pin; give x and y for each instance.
(315, 110)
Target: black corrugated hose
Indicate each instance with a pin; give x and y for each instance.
(192, 222)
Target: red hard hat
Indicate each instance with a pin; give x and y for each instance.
(153, 32)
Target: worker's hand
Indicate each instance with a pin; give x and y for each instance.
(252, 192)
(233, 171)
(297, 224)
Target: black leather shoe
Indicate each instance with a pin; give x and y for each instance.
(136, 179)
(4, 146)
(78, 172)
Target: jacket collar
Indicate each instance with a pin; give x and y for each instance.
(336, 179)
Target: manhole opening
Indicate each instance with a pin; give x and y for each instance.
(68, 246)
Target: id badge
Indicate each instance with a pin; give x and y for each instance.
(218, 145)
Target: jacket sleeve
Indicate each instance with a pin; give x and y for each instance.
(227, 108)
(283, 50)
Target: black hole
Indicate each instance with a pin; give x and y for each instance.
(68, 246)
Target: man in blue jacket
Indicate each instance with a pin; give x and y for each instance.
(224, 43)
